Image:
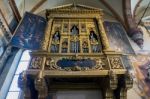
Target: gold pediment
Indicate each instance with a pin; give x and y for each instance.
(75, 7)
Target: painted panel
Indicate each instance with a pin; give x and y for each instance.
(30, 32)
(117, 37)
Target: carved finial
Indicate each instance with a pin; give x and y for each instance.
(74, 5)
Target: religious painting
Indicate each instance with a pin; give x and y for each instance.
(117, 37)
(141, 74)
(30, 32)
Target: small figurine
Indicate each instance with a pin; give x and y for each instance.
(93, 40)
(55, 42)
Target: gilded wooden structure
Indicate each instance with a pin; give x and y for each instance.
(75, 55)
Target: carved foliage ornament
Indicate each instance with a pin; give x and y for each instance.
(115, 63)
(52, 64)
(36, 62)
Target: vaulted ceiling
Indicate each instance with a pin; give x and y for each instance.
(137, 6)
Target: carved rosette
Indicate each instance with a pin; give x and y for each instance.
(100, 64)
(36, 63)
(116, 63)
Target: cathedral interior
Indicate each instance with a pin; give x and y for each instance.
(74, 49)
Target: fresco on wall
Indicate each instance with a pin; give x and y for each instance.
(30, 32)
(141, 74)
(117, 37)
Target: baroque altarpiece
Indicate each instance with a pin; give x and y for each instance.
(75, 56)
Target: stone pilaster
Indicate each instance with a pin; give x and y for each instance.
(44, 43)
(103, 35)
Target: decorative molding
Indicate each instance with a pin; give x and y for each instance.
(101, 64)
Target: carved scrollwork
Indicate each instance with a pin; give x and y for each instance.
(51, 64)
(22, 80)
(77, 64)
(116, 63)
(36, 62)
(100, 64)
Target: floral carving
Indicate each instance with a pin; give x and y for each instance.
(36, 62)
(51, 64)
(100, 63)
(116, 63)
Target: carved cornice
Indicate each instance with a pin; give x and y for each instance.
(71, 11)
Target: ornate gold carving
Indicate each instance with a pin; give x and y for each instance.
(36, 63)
(100, 65)
(113, 80)
(44, 43)
(103, 35)
(116, 63)
(51, 63)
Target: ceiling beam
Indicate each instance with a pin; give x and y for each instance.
(136, 7)
(133, 31)
(115, 14)
(40, 3)
(15, 10)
